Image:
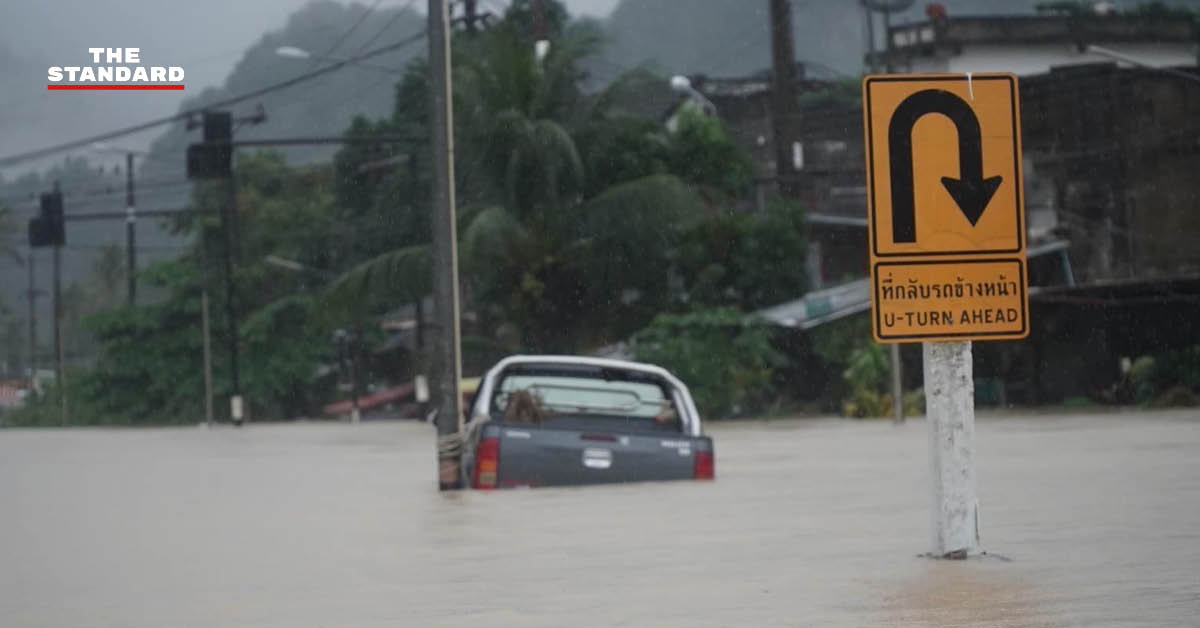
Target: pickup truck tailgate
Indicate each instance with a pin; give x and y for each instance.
(540, 456)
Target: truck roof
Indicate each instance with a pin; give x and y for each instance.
(692, 420)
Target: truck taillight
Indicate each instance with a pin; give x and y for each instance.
(487, 459)
(704, 466)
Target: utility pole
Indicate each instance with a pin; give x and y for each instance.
(447, 351)
(870, 13)
(213, 159)
(32, 324)
(59, 379)
(783, 85)
(130, 226)
(470, 15)
(887, 38)
(539, 20)
(348, 352)
(48, 229)
(208, 388)
(227, 219)
(886, 7)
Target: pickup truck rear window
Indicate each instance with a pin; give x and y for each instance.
(562, 398)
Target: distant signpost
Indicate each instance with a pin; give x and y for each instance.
(946, 219)
(946, 214)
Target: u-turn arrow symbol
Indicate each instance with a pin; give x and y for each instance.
(971, 191)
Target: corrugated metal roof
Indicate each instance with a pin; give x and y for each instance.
(822, 306)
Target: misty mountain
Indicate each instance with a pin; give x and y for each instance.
(321, 107)
(94, 181)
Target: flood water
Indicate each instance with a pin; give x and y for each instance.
(1089, 520)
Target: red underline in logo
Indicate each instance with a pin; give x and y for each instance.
(119, 86)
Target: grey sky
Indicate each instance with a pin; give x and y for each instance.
(205, 37)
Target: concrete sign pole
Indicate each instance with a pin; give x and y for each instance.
(897, 385)
(950, 411)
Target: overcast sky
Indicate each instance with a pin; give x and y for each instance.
(205, 37)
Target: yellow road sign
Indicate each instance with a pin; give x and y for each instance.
(945, 207)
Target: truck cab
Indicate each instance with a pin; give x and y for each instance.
(564, 420)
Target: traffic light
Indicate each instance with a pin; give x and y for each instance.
(213, 158)
(48, 228)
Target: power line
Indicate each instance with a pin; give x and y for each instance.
(183, 115)
(97, 194)
(399, 14)
(345, 35)
(92, 246)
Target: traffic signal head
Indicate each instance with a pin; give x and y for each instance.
(48, 229)
(214, 158)
(209, 161)
(218, 126)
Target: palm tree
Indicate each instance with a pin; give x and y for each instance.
(564, 268)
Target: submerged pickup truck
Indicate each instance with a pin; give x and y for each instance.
(561, 420)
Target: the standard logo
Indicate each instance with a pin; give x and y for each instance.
(115, 68)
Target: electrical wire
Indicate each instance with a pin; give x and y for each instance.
(340, 40)
(400, 12)
(95, 195)
(184, 115)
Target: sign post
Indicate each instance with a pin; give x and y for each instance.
(947, 248)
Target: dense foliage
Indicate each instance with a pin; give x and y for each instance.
(579, 225)
(726, 360)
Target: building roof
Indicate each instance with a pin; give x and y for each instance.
(1033, 29)
(822, 306)
(1184, 288)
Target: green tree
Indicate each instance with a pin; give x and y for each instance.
(702, 153)
(578, 222)
(569, 262)
(746, 260)
(149, 367)
(106, 281)
(726, 360)
(13, 350)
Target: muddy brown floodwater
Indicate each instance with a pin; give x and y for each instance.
(1089, 520)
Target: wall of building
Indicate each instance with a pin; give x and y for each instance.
(1119, 148)
(1039, 58)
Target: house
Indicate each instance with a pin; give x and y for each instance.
(836, 210)
(1034, 44)
(1109, 158)
(1108, 147)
